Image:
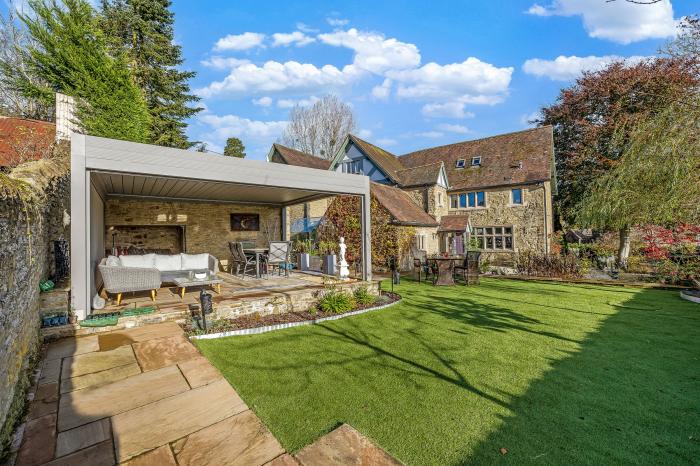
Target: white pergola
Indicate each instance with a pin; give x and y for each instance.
(101, 168)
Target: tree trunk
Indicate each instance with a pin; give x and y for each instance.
(623, 252)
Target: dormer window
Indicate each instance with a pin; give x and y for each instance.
(476, 161)
(460, 163)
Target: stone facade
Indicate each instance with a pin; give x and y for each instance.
(207, 225)
(28, 226)
(168, 239)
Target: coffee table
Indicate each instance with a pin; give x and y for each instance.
(210, 280)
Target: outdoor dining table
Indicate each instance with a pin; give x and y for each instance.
(258, 253)
(445, 269)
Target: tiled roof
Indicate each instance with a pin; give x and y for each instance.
(420, 176)
(301, 159)
(386, 161)
(20, 138)
(513, 158)
(454, 223)
(400, 206)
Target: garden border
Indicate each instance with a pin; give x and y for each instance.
(689, 297)
(586, 281)
(271, 328)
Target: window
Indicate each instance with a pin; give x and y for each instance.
(354, 166)
(476, 161)
(468, 200)
(420, 242)
(439, 199)
(494, 238)
(516, 196)
(460, 163)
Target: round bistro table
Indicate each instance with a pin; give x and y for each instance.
(445, 268)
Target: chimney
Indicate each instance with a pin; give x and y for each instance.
(65, 117)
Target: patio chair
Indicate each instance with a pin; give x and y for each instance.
(469, 269)
(240, 259)
(420, 263)
(278, 256)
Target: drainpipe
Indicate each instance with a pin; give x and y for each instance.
(544, 199)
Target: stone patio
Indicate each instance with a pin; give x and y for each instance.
(145, 396)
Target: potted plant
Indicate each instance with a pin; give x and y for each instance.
(328, 257)
(303, 250)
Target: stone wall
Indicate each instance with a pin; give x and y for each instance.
(34, 205)
(160, 238)
(207, 225)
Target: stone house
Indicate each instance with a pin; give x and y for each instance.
(498, 189)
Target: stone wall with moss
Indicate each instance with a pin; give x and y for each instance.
(34, 206)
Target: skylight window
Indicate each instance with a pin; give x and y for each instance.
(476, 161)
(460, 163)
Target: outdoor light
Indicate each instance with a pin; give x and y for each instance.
(205, 306)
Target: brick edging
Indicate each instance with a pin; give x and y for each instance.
(270, 328)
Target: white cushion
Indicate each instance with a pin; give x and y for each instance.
(145, 261)
(195, 261)
(112, 261)
(168, 263)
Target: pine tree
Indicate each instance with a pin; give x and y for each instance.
(143, 31)
(68, 54)
(234, 148)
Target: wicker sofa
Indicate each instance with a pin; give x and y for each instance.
(148, 271)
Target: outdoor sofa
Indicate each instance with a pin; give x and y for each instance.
(148, 271)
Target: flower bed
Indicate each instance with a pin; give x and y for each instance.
(256, 323)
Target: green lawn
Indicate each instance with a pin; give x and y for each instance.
(557, 374)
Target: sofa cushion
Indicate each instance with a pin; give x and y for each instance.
(145, 261)
(112, 261)
(166, 262)
(195, 261)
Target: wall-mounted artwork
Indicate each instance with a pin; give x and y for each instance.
(245, 222)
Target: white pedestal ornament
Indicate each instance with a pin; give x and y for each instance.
(343, 270)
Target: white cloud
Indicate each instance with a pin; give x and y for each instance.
(525, 120)
(619, 21)
(307, 29)
(387, 142)
(473, 81)
(244, 41)
(568, 68)
(446, 110)
(458, 129)
(297, 38)
(429, 134)
(289, 103)
(337, 22)
(274, 76)
(373, 52)
(382, 91)
(257, 135)
(263, 101)
(365, 133)
(223, 63)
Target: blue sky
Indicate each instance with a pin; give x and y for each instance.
(417, 74)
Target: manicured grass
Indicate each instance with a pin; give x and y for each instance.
(556, 374)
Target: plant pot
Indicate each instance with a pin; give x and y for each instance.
(328, 264)
(303, 261)
(314, 262)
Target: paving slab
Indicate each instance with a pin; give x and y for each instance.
(118, 338)
(95, 362)
(199, 372)
(97, 379)
(45, 401)
(161, 456)
(283, 460)
(67, 347)
(161, 352)
(101, 454)
(90, 404)
(344, 446)
(241, 439)
(39, 441)
(81, 437)
(169, 419)
(50, 371)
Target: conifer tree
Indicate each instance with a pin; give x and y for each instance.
(143, 31)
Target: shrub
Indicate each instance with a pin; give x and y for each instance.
(336, 302)
(547, 265)
(363, 296)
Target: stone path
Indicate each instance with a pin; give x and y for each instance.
(145, 396)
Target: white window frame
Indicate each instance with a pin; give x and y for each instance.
(456, 197)
(460, 163)
(483, 234)
(476, 161)
(522, 197)
(353, 167)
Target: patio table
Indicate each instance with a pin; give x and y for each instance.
(211, 280)
(259, 253)
(445, 268)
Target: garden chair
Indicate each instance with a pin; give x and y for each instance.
(278, 256)
(240, 259)
(469, 269)
(420, 263)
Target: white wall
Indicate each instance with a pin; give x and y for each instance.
(352, 153)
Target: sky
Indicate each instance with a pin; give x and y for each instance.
(417, 74)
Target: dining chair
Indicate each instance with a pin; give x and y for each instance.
(240, 258)
(278, 256)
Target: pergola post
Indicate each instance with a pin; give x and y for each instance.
(80, 228)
